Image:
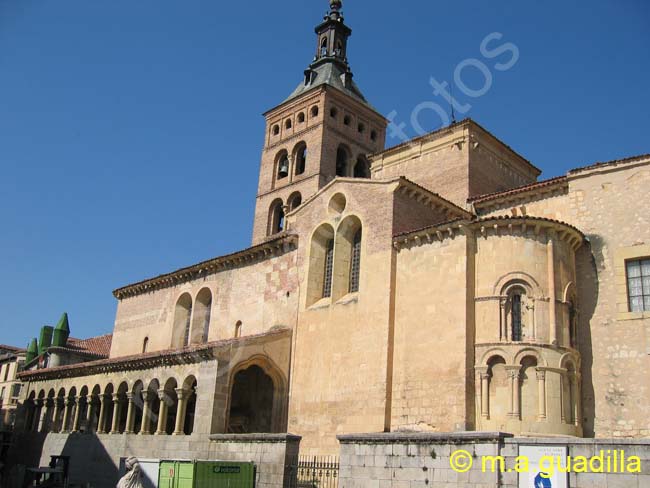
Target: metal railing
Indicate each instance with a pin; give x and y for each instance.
(314, 472)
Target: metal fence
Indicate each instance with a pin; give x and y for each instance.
(314, 472)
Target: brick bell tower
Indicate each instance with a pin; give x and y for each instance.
(322, 131)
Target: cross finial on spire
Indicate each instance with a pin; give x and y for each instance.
(335, 9)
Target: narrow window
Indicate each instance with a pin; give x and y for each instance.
(276, 129)
(361, 128)
(373, 135)
(238, 327)
(638, 285)
(323, 47)
(355, 262)
(287, 124)
(301, 117)
(6, 372)
(145, 344)
(294, 201)
(333, 112)
(329, 265)
(347, 120)
(314, 111)
(516, 316)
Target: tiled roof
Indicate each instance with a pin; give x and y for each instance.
(99, 346)
(614, 162)
(516, 191)
(4, 347)
(229, 261)
(149, 360)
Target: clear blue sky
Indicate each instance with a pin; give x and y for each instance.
(130, 130)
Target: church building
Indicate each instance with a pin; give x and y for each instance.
(436, 286)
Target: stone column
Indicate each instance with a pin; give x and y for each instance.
(562, 398)
(183, 396)
(130, 414)
(90, 413)
(552, 325)
(115, 426)
(513, 374)
(77, 414)
(162, 413)
(541, 394)
(55, 417)
(146, 413)
(43, 415)
(66, 414)
(101, 428)
(485, 395)
(503, 320)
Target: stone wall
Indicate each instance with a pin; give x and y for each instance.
(410, 460)
(95, 459)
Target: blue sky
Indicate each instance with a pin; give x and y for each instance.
(130, 130)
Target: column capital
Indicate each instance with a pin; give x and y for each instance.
(541, 374)
(116, 397)
(162, 395)
(145, 396)
(182, 394)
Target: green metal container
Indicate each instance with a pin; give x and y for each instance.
(206, 474)
(176, 474)
(224, 474)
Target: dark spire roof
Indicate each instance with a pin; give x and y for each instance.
(330, 65)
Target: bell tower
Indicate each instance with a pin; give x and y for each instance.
(322, 131)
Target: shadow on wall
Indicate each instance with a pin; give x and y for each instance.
(97, 471)
(589, 260)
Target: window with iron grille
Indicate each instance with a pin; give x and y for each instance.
(355, 262)
(516, 317)
(329, 265)
(638, 285)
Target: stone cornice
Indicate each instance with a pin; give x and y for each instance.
(423, 437)
(188, 355)
(273, 247)
(488, 226)
(255, 438)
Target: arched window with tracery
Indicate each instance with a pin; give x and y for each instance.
(355, 262)
(516, 311)
(321, 264)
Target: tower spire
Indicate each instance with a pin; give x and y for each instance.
(335, 10)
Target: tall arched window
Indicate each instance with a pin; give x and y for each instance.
(300, 157)
(321, 260)
(182, 324)
(202, 312)
(355, 262)
(342, 162)
(516, 298)
(362, 168)
(238, 327)
(323, 47)
(276, 217)
(145, 344)
(573, 324)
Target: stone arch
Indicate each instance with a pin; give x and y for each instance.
(138, 404)
(518, 315)
(498, 394)
(498, 352)
(189, 387)
(202, 316)
(362, 167)
(321, 264)
(300, 158)
(343, 161)
(570, 299)
(119, 422)
(527, 351)
(257, 397)
(527, 384)
(294, 201)
(169, 406)
(182, 318)
(276, 220)
(517, 277)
